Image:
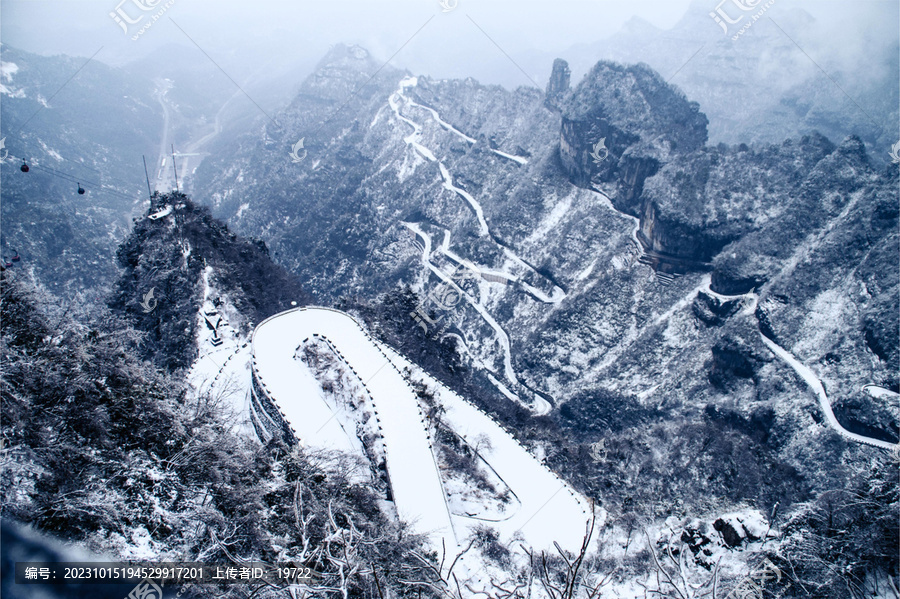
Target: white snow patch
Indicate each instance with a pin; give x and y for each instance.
(828, 316)
(587, 271)
(502, 388)
(141, 546)
(19, 93)
(880, 392)
(50, 151)
(221, 372)
(7, 70)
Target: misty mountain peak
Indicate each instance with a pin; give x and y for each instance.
(341, 71)
(346, 55)
(638, 26)
(558, 85)
(636, 96)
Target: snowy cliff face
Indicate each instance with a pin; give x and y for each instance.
(697, 204)
(403, 179)
(746, 97)
(642, 122)
(171, 261)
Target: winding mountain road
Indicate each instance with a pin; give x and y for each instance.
(549, 509)
(816, 385)
(539, 406)
(751, 300)
(414, 476)
(397, 101)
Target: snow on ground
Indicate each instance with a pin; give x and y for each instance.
(298, 394)
(502, 388)
(542, 508)
(587, 271)
(413, 138)
(7, 70)
(680, 304)
(442, 122)
(500, 333)
(19, 93)
(551, 510)
(540, 405)
(479, 212)
(221, 372)
(733, 563)
(881, 393)
(396, 101)
(349, 401)
(444, 248)
(558, 294)
(518, 159)
(412, 82)
(750, 299)
(413, 473)
(468, 500)
(812, 380)
(50, 151)
(752, 521)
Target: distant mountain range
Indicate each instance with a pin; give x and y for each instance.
(776, 81)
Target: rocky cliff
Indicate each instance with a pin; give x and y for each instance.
(603, 262)
(643, 122)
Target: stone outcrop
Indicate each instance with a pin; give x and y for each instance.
(737, 355)
(620, 124)
(558, 86)
(626, 132)
(711, 310)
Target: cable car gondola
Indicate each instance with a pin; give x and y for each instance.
(80, 190)
(24, 168)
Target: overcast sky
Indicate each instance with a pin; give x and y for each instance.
(487, 39)
(79, 27)
(75, 26)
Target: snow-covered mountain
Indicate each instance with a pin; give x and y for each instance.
(453, 175)
(774, 81)
(88, 133)
(597, 264)
(701, 339)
